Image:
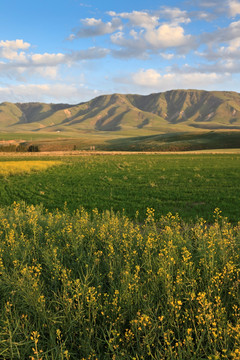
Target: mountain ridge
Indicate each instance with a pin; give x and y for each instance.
(170, 111)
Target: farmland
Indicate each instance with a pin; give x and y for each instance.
(8, 168)
(100, 286)
(120, 257)
(191, 185)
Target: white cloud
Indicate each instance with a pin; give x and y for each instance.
(9, 54)
(140, 19)
(22, 65)
(91, 22)
(70, 93)
(140, 33)
(47, 59)
(234, 44)
(134, 47)
(166, 36)
(18, 64)
(233, 31)
(9, 49)
(152, 40)
(175, 15)
(149, 78)
(225, 53)
(167, 56)
(223, 46)
(15, 44)
(234, 7)
(153, 34)
(96, 27)
(149, 20)
(152, 80)
(222, 66)
(50, 72)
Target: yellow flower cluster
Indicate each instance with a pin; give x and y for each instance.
(101, 286)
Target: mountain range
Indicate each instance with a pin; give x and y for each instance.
(165, 112)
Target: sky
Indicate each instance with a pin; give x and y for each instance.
(70, 51)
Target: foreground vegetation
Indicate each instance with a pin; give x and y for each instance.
(120, 284)
(99, 286)
(191, 185)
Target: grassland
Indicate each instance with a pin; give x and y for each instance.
(191, 185)
(121, 141)
(184, 141)
(29, 136)
(81, 278)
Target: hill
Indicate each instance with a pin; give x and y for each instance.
(165, 112)
(109, 119)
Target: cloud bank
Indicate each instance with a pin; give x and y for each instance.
(186, 46)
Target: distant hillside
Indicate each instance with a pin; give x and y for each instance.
(171, 111)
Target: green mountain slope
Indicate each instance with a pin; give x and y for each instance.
(171, 111)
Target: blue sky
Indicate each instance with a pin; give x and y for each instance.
(73, 50)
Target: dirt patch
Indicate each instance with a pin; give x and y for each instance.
(67, 113)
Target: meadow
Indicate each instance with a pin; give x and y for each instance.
(128, 140)
(122, 257)
(191, 185)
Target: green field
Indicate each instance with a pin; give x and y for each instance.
(183, 141)
(95, 264)
(191, 185)
(144, 140)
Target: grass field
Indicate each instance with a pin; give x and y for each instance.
(178, 141)
(83, 279)
(141, 140)
(191, 185)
